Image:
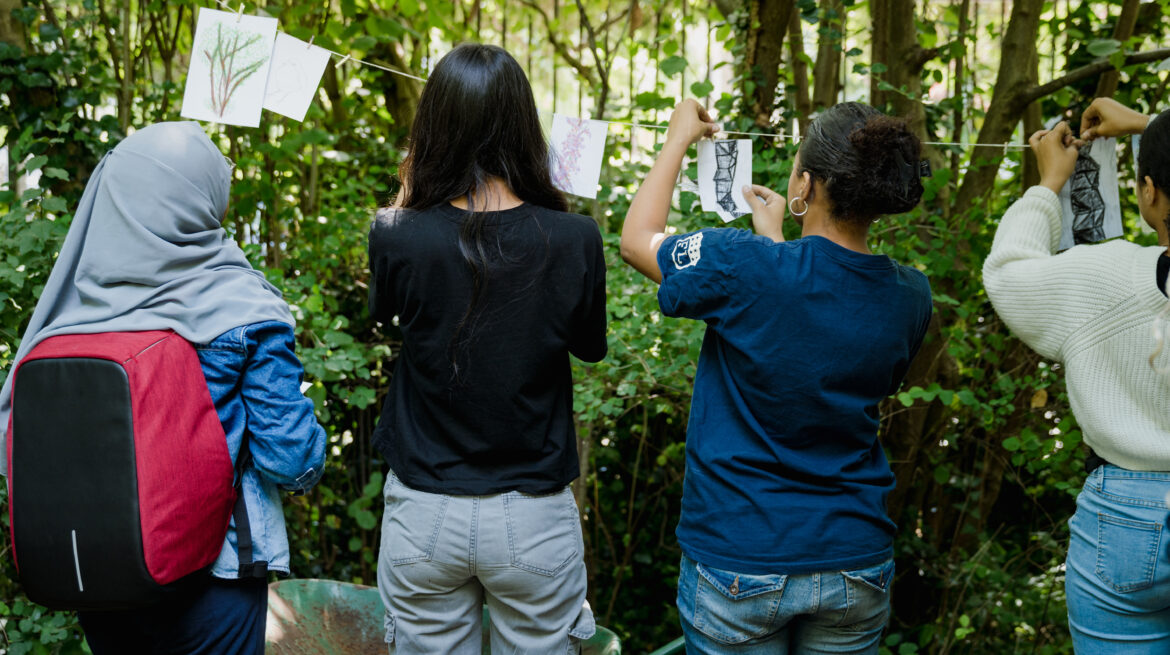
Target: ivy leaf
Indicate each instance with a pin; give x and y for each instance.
(673, 65)
(704, 87)
(58, 173)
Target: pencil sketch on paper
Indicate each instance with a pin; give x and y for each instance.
(577, 149)
(229, 68)
(293, 78)
(725, 167)
(1090, 202)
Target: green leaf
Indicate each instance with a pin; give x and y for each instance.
(54, 204)
(878, 68)
(35, 163)
(673, 65)
(1011, 444)
(58, 173)
(364, 43)
(702, 88)
(1103, 47)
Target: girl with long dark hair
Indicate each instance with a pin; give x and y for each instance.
(493, 286)
(786, 543)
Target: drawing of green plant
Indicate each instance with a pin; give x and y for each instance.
(233, 54)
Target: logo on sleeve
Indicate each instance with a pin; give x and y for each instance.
(686, 250)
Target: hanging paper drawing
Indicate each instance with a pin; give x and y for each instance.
(229, 68)
(292, 80)
(1090, 200)
(725, 167)
(577, 148)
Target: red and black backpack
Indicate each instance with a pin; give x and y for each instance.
(120, 480)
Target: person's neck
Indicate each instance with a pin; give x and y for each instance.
(818, 222)
(493, 196)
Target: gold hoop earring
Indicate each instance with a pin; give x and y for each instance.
(792, 209)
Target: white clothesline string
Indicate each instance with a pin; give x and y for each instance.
(780, 135)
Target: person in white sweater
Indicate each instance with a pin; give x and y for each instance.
(1094, 308)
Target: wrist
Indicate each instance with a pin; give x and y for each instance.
(1053, 184)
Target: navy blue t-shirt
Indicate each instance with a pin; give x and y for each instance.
(804, 338)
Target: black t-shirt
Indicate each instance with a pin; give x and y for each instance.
(481, 402)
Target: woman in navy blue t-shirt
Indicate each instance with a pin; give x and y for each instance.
(785, 538)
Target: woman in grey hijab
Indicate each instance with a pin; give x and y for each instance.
(146, 251)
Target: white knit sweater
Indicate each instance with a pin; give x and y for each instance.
(1092, 307)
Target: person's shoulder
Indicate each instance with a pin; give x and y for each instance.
(568, 220)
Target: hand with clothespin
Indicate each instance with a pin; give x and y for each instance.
(1106, 117)
(1056, 153)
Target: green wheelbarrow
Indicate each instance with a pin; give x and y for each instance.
(325, 617)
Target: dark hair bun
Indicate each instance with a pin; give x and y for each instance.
(868, 161)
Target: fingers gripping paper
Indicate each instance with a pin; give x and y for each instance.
(725, 167)
(229, 68)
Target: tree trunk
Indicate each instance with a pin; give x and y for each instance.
(11, 30)
(801, 101)
(826, 81)
(1126, 21)
(958, 93)
(1011, 85)
(767, 27)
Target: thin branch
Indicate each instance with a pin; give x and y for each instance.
(598, 60)
(1089, 70)
(559, 46)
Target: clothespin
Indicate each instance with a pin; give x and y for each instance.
(240, 13)
(311, 37)
(344, 59)
(1005, 149)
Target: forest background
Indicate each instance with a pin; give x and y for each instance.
(987, 455)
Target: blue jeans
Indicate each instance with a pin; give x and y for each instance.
(1117, 575)
(217, 617)
(830, 612)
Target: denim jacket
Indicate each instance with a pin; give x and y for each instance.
(254, 377)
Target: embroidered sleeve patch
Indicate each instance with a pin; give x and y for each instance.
(686, 251)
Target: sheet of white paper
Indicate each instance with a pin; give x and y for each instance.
(577, 148)
(3, 165)
(1090, 202)
(293, 78)
(229, 68)
(725, 167)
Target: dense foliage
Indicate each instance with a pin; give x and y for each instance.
(987, 454)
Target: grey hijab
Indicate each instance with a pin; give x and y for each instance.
(146, 251)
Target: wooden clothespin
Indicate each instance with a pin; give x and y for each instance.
(311, 37)
(344, 59)
(240, 13)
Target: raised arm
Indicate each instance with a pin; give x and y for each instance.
(1106, 117)
(645, 225)
(1031, 288)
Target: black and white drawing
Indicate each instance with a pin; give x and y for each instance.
(1090, 200)
(725, 167)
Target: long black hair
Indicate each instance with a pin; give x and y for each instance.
(476, 120)
(869, 162)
